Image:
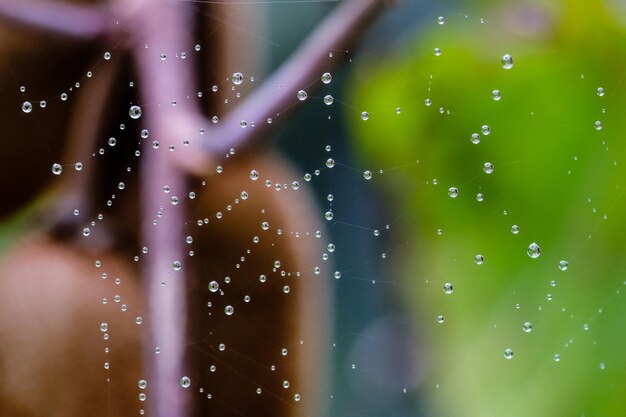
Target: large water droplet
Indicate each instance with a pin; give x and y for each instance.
(508, 353)
(237, 78)
(57, 169)
(534, 250)
(134, 112)
(507, 61)
(185, 382)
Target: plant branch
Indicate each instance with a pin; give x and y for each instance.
(163, 30)
(339, 30)
(82, 22)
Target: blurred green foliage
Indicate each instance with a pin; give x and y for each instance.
(555, 176)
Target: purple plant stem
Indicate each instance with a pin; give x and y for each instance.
(164, 27)
(338, 30)
(82, 22)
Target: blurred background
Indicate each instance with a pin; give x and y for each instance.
(554, 139)
(444, 306)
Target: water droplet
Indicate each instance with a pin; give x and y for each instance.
(479, 259)
(229, 310)
(134, 112)
(527, 327)
(496, 95)
(143, 384)
(327, 78)
(57, 168)
(441, 20)
(534, 250)
(78, 166)
(237, 79)
(600, 91)
(453, 192)
(177, 265)
(475, 138)
(328, 215)
(479, 197)
(27, 107)
(142, 396)
(447, 288)
(185, 382)
(440, 319)
(428, 102)
(107, 55)
(214, 286)
(63, 96)
(556, 357)
(112, 141)
(488, 167)
(508, 353)
(485, 129)
(42, 104)
(328, 100)
(254, 175)
(563, 265)
(330, 162)
(515, 229)
(367, 175)
(507, 61)
(302, 95)
(104, 327)
(437, 52)
(597, 125)
(365, 115)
